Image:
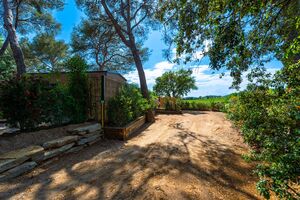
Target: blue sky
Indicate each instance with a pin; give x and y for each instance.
(208, 83)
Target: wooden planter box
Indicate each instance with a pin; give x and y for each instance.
(124, 132)
(168, 112)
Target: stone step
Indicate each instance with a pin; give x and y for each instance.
(86, 129)
(60, 142)
(17, 171)
(76, 149)
(89, 138)
(29, 152)
(10, 163)
(56, 152)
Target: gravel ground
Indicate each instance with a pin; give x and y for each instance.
(196, 155)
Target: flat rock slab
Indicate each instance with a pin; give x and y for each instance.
(86, 129)
(30, 152)
(99, 133)
(6, 130)
(56, 152)
(17, 171)
(10, 163)
(90, 138)
(94, 141)
(60, 142)
(76, 149)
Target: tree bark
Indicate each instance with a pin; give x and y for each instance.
(143, 82)
(4, 46)
(13, 39)
(135, 53)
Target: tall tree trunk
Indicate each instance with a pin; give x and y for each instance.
(142, 77)
(139, 67)
(135, 53)
(13, 39)
(4, 46)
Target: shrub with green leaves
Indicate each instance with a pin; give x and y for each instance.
(172, 104)
(202, 106)
(29, 101)
(78, 88)
(126, 106)
(268, 114)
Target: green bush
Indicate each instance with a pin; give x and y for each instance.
(269, 117)
(126, 106)
(78, 88)
(29, 101)
(202, 106)
(61, 109)
(172, 104)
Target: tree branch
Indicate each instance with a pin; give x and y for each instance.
(115, 23)
(136, 12)
(140, 21)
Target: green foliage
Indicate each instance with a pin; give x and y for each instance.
(7, 65)
(33, 17)
(236, 35)
(78, 87)
(44, 53)
(29, 101)
(97, 41)
(217, 104)
(60, 110)
(126, 106)
(175, 84)
(269, 116)
(172, 104)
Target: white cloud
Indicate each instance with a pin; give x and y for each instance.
(197, 55)
(151, 74)
(207, 83)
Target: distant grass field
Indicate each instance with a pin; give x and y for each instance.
(208, 100)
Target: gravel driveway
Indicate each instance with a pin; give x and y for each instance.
(196, 155)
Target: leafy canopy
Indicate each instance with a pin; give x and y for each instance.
(7, 66)
(44, 53)
(268, 113)
(33, 16)
(97, 41)
(241, 35)
(175, 84)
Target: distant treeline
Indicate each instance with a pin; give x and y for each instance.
(209, 97)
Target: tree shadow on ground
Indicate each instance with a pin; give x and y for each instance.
(111, 170)
(194, 112)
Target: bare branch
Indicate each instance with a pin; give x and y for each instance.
(140, 21)
(137, 10)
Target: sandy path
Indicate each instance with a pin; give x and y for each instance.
(190, 156)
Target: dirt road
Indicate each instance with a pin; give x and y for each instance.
(191, 156)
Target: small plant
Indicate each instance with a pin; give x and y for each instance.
(126, 106)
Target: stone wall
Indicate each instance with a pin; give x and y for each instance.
(20, 161)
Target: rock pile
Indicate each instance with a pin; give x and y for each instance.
(18, 162)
